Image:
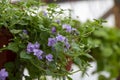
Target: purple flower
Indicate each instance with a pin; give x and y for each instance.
(30, 47)
(35, 49)
(38, 53)
(73, 29)
(57, 21)
(3, 74)
(49, 57)
(51, 41)
(25, 31)
(67, 45)
(53, 29)
(60, 38)
(44, 13)
(36, 45)
(67, 27)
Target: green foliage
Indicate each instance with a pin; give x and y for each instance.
(108, 52)
(23, 17)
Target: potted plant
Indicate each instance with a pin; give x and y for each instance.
(45, 42)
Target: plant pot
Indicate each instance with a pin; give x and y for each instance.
(6, 55)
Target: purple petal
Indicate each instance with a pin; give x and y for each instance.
(49, 57)
(44, 13)
(51, 41)
(30, 47)
(53, 30)
(67, 27)
(37, 52)
(36, 45)
(3, 74)
(67, 45)
(60, 38)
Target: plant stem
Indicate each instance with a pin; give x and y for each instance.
(4, 48)
(38, 77)
(75, 72)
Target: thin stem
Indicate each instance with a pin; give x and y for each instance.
(75, 71)
(4, 48)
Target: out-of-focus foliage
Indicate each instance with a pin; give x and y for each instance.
(107, 51)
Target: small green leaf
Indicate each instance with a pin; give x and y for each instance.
(24, 55)
(75, 46)
(13, 47)
(89, 56)
(14, 31)
(69, 78)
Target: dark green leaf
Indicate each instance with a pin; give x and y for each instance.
(13, 47)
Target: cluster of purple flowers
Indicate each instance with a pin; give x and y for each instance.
(3, 74)
(68, 28)
(34, 48)
(58, 38)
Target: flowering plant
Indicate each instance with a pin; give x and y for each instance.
(45, 42)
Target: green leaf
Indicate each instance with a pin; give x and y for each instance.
(101, 77)
(24, 55)
(107, 51)
(53, 5)
(28, 78)
(13, 47)
(89, 56)
(59, 47)
(9, 66)
(75, 46)
(14, 31)
(69, 78)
